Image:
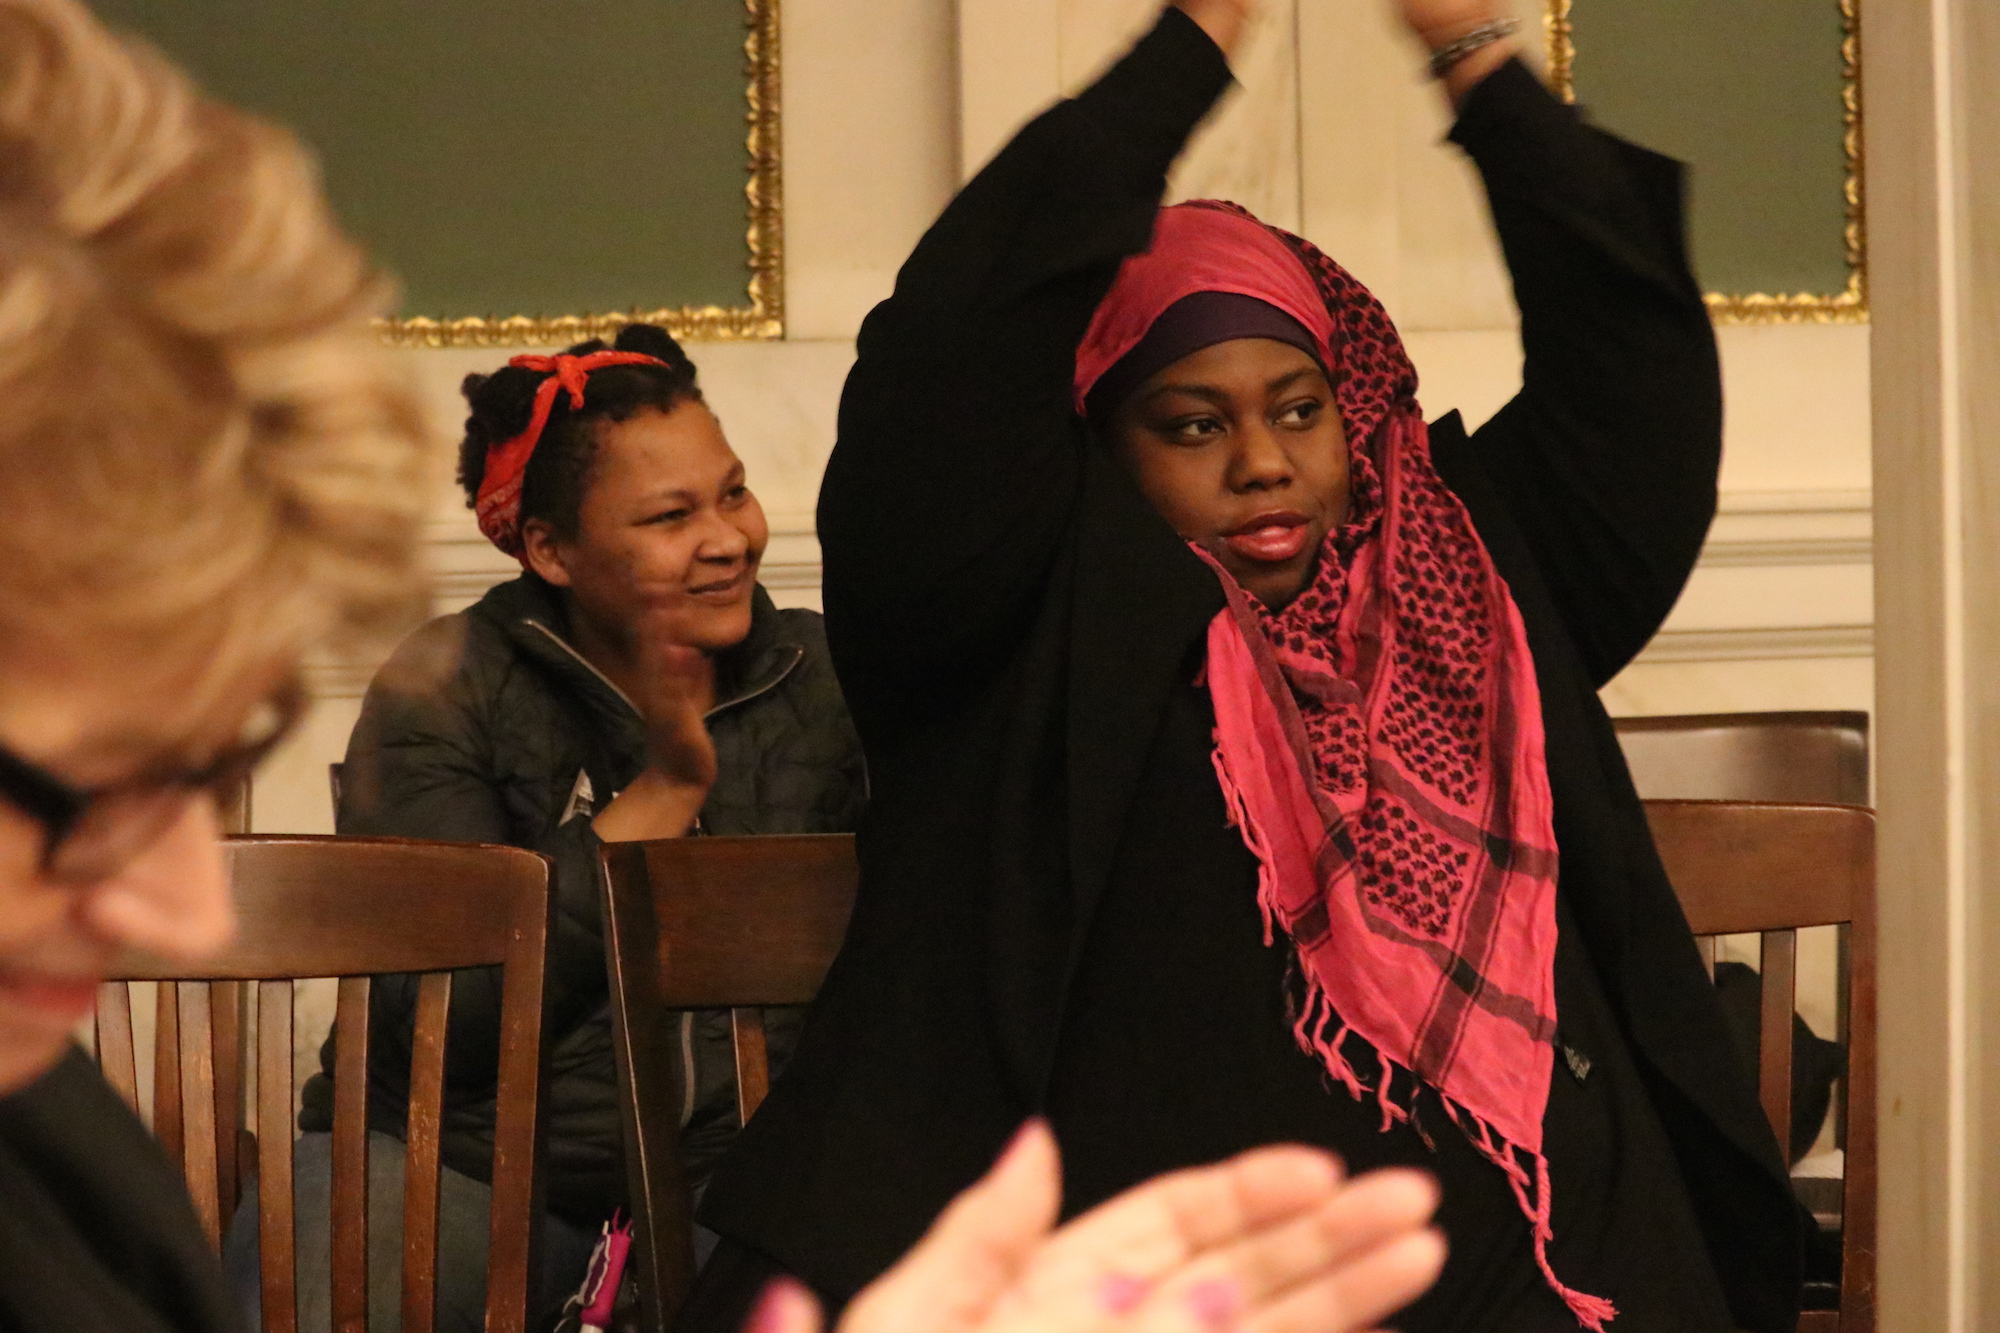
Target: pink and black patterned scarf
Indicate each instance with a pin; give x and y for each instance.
(1379, 740)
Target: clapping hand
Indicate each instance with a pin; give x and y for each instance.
(1272, 1241)
(1437, 23)
(675, 691)
(678, 691)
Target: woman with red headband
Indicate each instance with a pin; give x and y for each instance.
(1239, 773)
(562, 710)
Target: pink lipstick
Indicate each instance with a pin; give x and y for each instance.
(1271, 539)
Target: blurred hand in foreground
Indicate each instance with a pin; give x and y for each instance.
(1273, 1241)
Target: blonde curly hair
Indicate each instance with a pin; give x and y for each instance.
(202, 441)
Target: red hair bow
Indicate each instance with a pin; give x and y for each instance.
(499, 502)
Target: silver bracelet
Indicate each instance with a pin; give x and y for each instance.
(1480, 37)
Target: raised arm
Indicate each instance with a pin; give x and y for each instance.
(956, 468)
(1607, 458)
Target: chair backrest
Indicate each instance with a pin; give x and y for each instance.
(1770, 869)
(1820, 757)
(350, 908)
(706, 923)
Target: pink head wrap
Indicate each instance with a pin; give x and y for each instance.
(1199, 247)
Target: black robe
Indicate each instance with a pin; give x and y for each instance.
(1054, 917)
(97, 1234)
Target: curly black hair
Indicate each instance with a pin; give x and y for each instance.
(552, 490)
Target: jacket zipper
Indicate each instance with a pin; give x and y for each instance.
(584, 662)
(798, 655)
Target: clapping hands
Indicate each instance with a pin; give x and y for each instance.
(1436, 23)
(1272, 1241)
(1440, 22)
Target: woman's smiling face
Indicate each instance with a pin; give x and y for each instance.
(1241, 448)
(667, 526)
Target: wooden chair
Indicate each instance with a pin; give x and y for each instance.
(1820, 757)
(1816, 757)
(1772, 869)
(348, 908)
(705, 923)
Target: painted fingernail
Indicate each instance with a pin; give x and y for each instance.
(1121, 1293)
(1021, 1135)
(769, 1314)
(1214, 1302)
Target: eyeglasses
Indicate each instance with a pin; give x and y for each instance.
(89, 834)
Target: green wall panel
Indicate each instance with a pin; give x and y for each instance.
(1748, 92)
(538, 157)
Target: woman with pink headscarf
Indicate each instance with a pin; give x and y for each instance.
(1238, 769)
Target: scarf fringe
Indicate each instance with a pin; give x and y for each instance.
(1309, 1029)
(1593, 1312)
(1253, 838)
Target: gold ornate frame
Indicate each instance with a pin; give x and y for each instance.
(763, 318)
(1849, 306)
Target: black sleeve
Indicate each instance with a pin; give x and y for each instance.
(954, 476)
(1607, 458)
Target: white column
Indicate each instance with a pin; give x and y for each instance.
(1933, 149)
(1009, 68)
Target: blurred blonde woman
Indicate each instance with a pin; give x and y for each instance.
(209, 469)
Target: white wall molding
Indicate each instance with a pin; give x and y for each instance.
(1791, 531)
(1779, 538)
(1784, 576)
(1808, 527)
(791, 561)
(1760, 645)
(339, 680)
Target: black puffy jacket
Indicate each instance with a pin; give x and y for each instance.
(486, 726)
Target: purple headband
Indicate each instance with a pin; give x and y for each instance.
(1189, 325)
